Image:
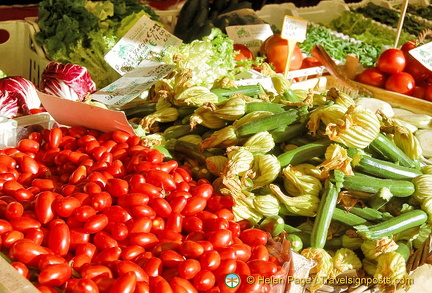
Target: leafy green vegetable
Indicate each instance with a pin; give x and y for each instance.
(338, 47)
(364, 29)
(391, 17)
(82, 31)
(210, 58)
(422, 11)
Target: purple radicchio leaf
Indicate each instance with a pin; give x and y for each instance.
(23, 90)
(9, 104)
(68, 81)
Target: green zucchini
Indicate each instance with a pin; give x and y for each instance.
(392, 226)
(324, 215)
(303, 153)
(367, 213)
(247, 90)
(348, 217)
(264, 106)
(388, 150)
(268, 123)
(284, 133)
(381, 168)
(370, 184)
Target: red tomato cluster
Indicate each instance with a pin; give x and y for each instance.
(83, 211)
(396, 70)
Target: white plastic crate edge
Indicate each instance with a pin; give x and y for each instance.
(21, 56)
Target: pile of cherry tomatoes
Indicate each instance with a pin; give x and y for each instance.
(398, 71)
(83, 211)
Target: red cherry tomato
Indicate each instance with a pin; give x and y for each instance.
(189, 268)
(428, 93)
(254, 237)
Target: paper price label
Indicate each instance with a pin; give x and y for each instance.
(132, 84)
(145, 39)
(294, 28)
(423, 54)
(250, 35)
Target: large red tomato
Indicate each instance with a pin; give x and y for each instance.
(372, 76)
(275, 49)
(400, 82)
(391, 61)
(243, 52)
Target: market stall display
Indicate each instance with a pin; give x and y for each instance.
(228, 173)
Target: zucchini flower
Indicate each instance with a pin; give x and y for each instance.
(308, 169)
(391, 271)
(205, 116)
(280, 83)
(336, 158)
(424, 232)
(252, 116)
(260, 142)
(224, 82)
(243, 208)
(326, 114)
(369, 266)
(266, 169)
(216, 164)
(423, 187)
(167, 114)
(323, 269)
(297, 183)
(231, 109)
(191, 138)
(407, 142)
(426, 169)
(427, 207)
(153, 139)
(267, 204)
(340, 98)
(358, 128)
(221, 138)
(302, 205)
(374, 248)
(345, 259)
(239, 162)
(195, 96)
(182, 80)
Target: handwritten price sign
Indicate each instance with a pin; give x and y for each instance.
(294, 28)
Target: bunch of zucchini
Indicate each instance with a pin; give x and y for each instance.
(197, 17)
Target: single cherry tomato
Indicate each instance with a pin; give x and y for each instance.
(254, 237)
(59, 237)
(189, 268)
(210, 260)
(21, 268)
(204, 280)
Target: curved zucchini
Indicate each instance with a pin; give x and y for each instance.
(395, 225)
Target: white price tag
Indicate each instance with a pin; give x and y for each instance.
(250, 35)
(423, 54)
(132, 84)
(294, 28)
(139, 44)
